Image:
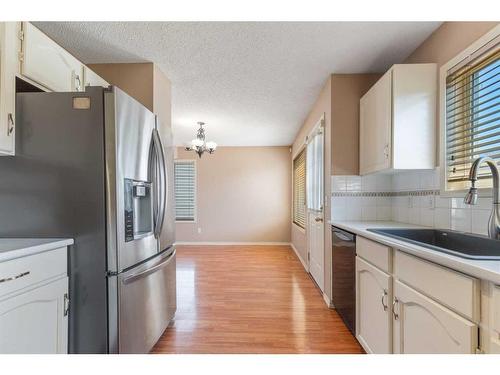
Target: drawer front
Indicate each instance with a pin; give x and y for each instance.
(453, 289)
(496, 310)
(377, 254)
(23, 272)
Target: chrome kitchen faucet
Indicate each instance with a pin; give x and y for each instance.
(471, 196)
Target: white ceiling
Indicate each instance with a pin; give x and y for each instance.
(253, 83)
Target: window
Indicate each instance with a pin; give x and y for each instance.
(185, 190)
(299, 189)
(314, 167)
(472, 115)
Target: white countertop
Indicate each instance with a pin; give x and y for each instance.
(12, 248)
(483, 269)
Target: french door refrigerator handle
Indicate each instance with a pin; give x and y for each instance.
(163, 179)
(153, 177)
(150, 270)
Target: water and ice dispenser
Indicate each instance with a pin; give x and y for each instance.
(138, 209)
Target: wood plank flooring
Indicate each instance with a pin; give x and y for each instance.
(250, 299)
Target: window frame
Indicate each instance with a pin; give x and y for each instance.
(195, 216)
(482, 42)
(301, 150)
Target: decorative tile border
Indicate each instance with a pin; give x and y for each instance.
(384, 193)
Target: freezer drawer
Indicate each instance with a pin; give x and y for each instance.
(147, 303)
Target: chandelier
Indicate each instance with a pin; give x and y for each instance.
(199, 145)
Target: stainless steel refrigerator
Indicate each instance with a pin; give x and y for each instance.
(97, 166)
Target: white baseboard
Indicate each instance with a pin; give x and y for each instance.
(223, 243)
(327, 300)
(304, 264)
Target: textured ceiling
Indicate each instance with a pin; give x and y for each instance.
(252, 83)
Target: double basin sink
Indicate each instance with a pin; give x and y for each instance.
(451, 242)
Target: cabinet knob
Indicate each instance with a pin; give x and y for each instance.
(22, 274)
(10, 124)
(395, 302)
(66, 304)
(79, 83)
(384, 299)
(318, 220)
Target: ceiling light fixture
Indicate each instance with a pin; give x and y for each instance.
(199, 145)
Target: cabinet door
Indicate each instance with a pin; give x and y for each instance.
(422, 325)
(375, 126)
(35, 321)
(495, 320)
(48, 64)
(373, 310)
(495, 345)
(93, 79)
(8, 69)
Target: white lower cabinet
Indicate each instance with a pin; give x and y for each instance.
(35, 321)
(495, 320)
(405, 304)
(34, 303)
(422, 325)
(495, 346)
(373, 310)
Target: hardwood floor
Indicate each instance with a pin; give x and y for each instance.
(250, 299)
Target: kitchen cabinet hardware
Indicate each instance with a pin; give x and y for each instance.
(384, 297)
(22, 274)
(395, 302)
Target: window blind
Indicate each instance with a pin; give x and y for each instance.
(299, 189)
(185, 190)
(472, 110)
(314, 167)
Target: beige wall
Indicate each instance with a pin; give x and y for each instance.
(136, 79)
(347, 89)
(145, 82)
(448, 41)
(243, 195)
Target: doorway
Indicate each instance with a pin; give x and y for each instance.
(315, 204)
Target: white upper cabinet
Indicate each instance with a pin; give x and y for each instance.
(8, 70)
(398, 120)
(91, 78)
(29, 54)
(47, 63)
(373, 308)
(375, 126)
(422, 326)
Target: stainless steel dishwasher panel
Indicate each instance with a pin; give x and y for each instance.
(147, 302)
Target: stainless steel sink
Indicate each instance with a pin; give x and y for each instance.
(461, 244)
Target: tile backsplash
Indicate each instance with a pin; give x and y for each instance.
(408, 197)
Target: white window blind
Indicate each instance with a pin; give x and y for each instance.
(299, 189)
(185, 190)
(314, 184)
(472, 116)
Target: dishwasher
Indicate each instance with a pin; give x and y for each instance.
(344, 276)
